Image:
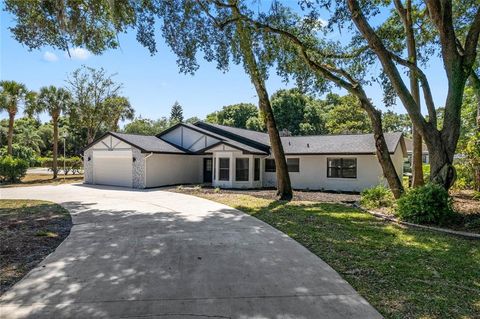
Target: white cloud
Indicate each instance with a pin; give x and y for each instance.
(78, 54)
(50, 56)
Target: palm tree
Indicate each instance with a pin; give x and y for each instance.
(12, 94)
(120, 109)
(53, 101)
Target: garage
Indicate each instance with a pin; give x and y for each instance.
(112, 167)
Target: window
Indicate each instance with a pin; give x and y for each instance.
(241, 169)
(256, 169)
(293, 164)
(269, 165)
(224, 169)
(342, 167)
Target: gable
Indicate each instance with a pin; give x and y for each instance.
(110, 142)
(188, 138)
(222, 147)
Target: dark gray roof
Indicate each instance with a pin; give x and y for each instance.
(259, 137)
(337, 144)
(148, 143)
(227, 140)
(258, 142)
(315, 144)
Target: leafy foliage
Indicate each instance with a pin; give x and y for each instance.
(347, 117)
(428, 204)
(146, 127)
(12, 169)
(376, 197)
(236, 115)
(92, 112)
(121, 110)
(297, 113)
(394, 122)
(21, 152)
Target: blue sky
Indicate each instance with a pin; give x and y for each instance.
(153, 83)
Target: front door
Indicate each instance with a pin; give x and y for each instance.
(207, 170)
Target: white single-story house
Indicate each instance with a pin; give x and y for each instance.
(229, 157)
(409, 146)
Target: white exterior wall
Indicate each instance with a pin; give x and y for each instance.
(109, 147)
(169, 169)
(313, 173)
(231, 153)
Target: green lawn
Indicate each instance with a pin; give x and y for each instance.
(403, 272)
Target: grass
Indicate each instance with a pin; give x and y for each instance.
(45, 179)
(402, 272)
(29, 231)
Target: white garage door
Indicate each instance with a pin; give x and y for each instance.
(112, 168)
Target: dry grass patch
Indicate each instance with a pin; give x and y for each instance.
(29, 231)
(45, 179)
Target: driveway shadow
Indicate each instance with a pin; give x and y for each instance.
(159, 262)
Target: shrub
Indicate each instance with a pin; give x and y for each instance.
(12, 169)
(426, 171)
(21, 152)
(72, 164)
(376, 197)
(429, 204)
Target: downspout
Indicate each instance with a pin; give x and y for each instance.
(145, 173)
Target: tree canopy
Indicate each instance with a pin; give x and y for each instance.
(236, 115)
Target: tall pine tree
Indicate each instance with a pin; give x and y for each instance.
(176, 114)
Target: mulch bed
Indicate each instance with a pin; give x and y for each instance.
(29, 231)
(312, 196)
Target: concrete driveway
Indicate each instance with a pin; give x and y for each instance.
(156, 254)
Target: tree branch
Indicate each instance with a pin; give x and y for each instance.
(427, 93)
(389, 67)
(471, 41)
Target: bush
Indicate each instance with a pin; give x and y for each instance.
(426, 171)
(21, 152)
(429, 204)
(376, 197)
(12, 169)
(72, 164)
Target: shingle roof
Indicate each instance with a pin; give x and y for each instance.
(337, 144)
(258, 142)
(148, 143)
(315, 144)
(259, 137)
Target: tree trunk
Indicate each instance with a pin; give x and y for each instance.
(405, 14)
(11, 120)
(55, 147)
(441, 144)
(417, 164)
(284, 188)
(476, 86)
(383, 154)
(442, 171)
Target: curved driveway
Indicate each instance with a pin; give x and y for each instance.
(156, 254)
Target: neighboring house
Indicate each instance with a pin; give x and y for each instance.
(409, 146)
(230, 157)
